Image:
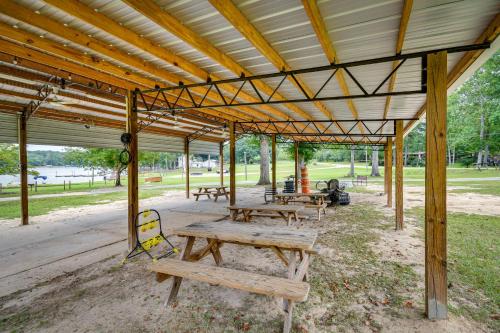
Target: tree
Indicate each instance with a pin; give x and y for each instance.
(375, 172)
(264, 161)
(351, 172)
(9, 162)
(101, 158)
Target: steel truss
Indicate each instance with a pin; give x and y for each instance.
(44, 93)
(329, 131)
(360, 146)
(161, 103)
(152, 116)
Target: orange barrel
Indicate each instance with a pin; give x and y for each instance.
(304, 181)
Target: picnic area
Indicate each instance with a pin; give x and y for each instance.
(249, 166)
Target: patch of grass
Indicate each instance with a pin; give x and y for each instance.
(41, 206)
(357, 275)
(481, 187)
(473, 265)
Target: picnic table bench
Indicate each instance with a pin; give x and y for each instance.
(293, 288)
(216, 191)
(274, 211)
(309, 200)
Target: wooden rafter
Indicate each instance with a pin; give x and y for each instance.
(68, 53)
(403, 26)
(488, 35)
(106, 24)
(23, 14)
(248, 30)
(155, 13)
(75, 67)
(318, 24)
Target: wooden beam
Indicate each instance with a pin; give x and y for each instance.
(488, 35)
(186, 164)
(296, 159)
(40, 21)
(403, 26)
(156, 14)
(389, 172)
(81, 11)
(23, 166)
(385, 170)
(93, 62)
(273, 161)
(318, 24)
(399, 175)
(243, 25)
(232, 164)
(436, 285)
(221, 163)
(133, 171)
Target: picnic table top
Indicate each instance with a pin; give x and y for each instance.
(212, 186)
(293, 195)
(268, 208)
(252, 234)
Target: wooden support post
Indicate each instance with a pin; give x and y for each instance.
(186, 164)
(399, 175)
(133, 169)
(273, 161)
(296, 158)
(23, 167)
(389, 172)
(221, 162)
(385, 169)
(436, 285)
(232, 164)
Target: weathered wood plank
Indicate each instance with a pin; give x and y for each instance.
(176, 282)
(232, 164)
(268, 208)
(252, 234)
(23, 166)
(399, 174)
(133, 171)
(247, 281)
(389, 172)
(436, 287)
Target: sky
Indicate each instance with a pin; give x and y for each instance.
(45, 147)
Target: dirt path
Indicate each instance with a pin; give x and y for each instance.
(367, 278)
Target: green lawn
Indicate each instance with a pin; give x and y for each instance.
(40, 206)
(473, 265)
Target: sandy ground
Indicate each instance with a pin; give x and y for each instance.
(87, 290)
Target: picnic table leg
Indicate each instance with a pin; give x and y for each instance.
(288, 304)
(216, 253)
(225, 193)
(176, 282)
(247, 215)
(216, 196)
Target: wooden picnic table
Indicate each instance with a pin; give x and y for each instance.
(216, 191)
(293, 288)
(286, 212)
(310, 200)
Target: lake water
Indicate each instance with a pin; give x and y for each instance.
(55, 175)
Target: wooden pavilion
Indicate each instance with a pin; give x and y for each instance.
(182, 75)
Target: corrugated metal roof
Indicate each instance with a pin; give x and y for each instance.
(358, 29)
(59, 133)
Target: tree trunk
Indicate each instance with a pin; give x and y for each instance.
(264, 161)
(486, 155)
(406, 154)
(375, 172)
(351, 172)
(118, 173)
(481, 136)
